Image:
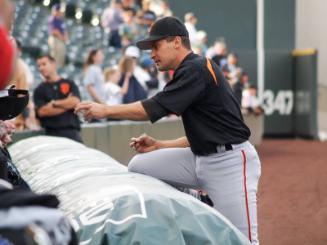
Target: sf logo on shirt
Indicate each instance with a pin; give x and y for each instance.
(64, 88)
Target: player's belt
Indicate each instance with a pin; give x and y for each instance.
(223, 148)
(216, 149)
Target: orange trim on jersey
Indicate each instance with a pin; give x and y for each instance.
(246, 196)
(209, 66)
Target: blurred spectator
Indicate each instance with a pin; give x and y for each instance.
(135, 90)
(231, 70)
(147, 11)
(93, 76)
(111, 20)
(58, 36)
(146, 17)
(218, 53)
(7, 52)
(190, 23)
(20, 81)
(114, 92)
(128, 4)
(129, 29)
(239, 86)
(55, 100)
(201, 47)
(7, 10)
(250, 102)
(150, 70)
(165, 10)
(28, 73)
(140, 75)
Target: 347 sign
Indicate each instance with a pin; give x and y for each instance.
(281, 101)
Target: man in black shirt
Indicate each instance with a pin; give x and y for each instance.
(55, 100)
(215, 155)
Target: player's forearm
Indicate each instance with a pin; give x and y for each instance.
(48, 111)
(178, 143)
(132, 111)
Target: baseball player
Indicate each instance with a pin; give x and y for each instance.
(215, 155)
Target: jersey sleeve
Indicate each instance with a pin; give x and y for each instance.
(75, 90)
(154, 110)
(185, 89)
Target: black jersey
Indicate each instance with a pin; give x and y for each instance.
(61, 89)
(203, 98)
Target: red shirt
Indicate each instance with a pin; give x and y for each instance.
(6, 58)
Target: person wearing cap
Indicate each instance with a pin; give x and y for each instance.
(58, 35)
(150, 75)
(139, 74)
(215, 155)
(146, 17)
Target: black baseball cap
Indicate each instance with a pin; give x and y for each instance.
(164, 27)
(12, 103)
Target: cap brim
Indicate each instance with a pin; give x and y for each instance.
(148, 42)
(13, 104)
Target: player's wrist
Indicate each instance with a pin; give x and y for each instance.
(158, 144)
(107, 111)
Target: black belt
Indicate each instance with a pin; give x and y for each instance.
(228, 147)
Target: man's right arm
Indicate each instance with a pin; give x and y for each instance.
(48, 110)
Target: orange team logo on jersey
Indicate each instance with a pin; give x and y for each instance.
(64, 88)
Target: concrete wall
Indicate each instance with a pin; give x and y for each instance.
(113, 137)
(311, 19)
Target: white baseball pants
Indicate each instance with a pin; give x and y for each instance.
(229, 177)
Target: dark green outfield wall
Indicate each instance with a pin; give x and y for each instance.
(235, 20)
(279, 24)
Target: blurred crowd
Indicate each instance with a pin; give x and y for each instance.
(134, 77)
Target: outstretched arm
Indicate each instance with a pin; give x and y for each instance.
(133, 111)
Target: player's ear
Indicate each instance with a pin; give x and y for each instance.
(177, 42)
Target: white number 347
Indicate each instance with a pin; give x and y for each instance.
(282, 102)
